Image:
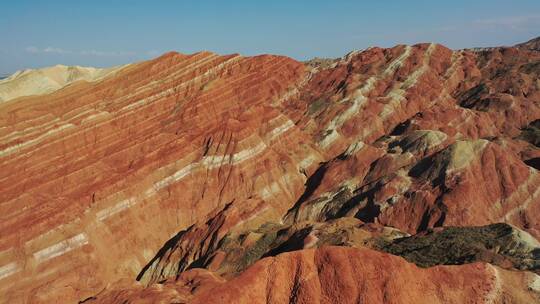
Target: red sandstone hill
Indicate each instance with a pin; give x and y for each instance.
(227, 179)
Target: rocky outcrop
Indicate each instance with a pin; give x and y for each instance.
(343, 275)
(201, 175)
(499, 244)
(533, 44)
(230, 251)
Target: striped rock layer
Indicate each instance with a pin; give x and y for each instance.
(185, 161)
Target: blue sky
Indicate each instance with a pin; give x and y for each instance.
(104, 33)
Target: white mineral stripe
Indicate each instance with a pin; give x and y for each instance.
(213, 161)
(281, 129)
(122, 205)
(8, 270)
(360, 99)
(178, 175)
(306, 162)
(61, 247)
(209, 162)
(34, 141)
(248, 153)
(398, 94)
(29, 130)
(96, 116)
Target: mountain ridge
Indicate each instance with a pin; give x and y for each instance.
(47, 80)
(533, 44)
(209, 177)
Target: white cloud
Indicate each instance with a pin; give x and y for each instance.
(106, 54)
(60, 51)
(511, 22)
(54, 50)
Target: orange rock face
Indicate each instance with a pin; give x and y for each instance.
(92, 174)
(215, 162)
(343, 275)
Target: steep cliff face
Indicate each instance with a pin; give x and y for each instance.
(96, 177)
(210, 179)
